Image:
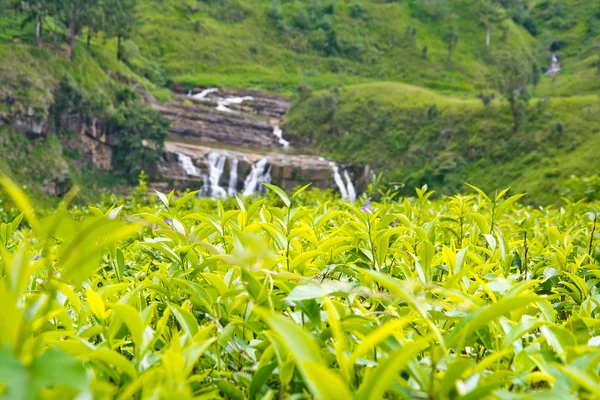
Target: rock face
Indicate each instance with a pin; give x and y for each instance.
(261, 104)
(90, 139)
(205, 122)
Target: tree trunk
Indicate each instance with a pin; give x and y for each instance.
(38, 30)
(488, 35)
(72, 28)
(119, 55)
(515, 113)
(89, 36)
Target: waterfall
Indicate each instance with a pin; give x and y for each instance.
(339, 181)
(350, 187)
(187, 164)
(260, 173)
(216, 165)
(279, 135)
(202, 94)
(346, 189)
(233, 176)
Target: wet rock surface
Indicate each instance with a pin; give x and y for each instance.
(287, 171)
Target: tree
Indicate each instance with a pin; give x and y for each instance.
(36, 11)
(72, 11)
(93, 18)
(513, 76)
(139, 134)
(120, 21)
(536, 75)
(451, 39)
(490, 13)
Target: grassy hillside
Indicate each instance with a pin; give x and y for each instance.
(30, 81)
(417, 136)
(280, 45)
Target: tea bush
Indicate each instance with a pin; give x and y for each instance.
(470, 296)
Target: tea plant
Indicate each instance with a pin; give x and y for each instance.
(304, 296)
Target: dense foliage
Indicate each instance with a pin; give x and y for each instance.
(139, 134)
(472, 296)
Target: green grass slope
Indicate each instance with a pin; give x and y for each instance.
(418, 136)
(265, 43)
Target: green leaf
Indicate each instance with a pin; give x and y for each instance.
(300, 190)
(279, 193)
(306, 354)
(55, 368)
(14, 378)
(327, 384)
(260, 379)
(375, 386)
(187, 321)
(163, 198)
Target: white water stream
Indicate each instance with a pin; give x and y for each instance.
(347, 190)
(233, 177)
(187, 164)
(279, 135)
(260, 173)
(216, 166)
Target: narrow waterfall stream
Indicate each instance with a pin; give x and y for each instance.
(202, 94)
(350, 187)
(279, 135)
(347, 190)
(260, 173)
(187, 164)
(339, 181)
(223, 104)
(233, 177)
(216, 166)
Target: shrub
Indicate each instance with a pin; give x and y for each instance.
(487, 98)
(557, 128)
(275, 16)
(357, 11)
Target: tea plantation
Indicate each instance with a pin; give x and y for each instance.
(471, 296)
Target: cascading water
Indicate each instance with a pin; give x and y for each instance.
(233, 177)
(346, 189)
(216, 165)
(350, 187)
(202, 94)
(339, 181)
(260, 173)
(187, 164)
(222, 104)
(279, 135)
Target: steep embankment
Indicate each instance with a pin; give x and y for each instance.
(34, 83)
(417, 136)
